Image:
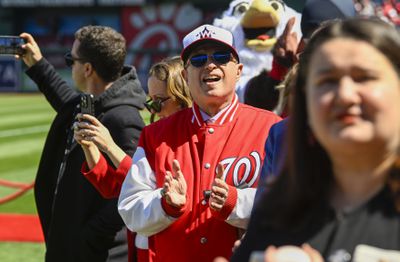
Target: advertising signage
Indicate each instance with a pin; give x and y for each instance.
(157, 30)
(55, 3)
(120, 2)
(10, 73)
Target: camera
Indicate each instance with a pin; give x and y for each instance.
(87, 104)
(11, 45)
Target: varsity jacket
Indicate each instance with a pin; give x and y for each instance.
(195, 232)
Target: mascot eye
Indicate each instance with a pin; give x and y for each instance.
(277, 5)
(239, 9)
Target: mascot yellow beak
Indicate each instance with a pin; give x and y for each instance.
(259, 24)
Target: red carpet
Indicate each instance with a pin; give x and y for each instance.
(20, 228)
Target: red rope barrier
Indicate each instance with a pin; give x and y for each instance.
(7, 183)
(23, 188)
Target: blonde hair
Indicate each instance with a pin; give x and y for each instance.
(169, 70)
(284, 89)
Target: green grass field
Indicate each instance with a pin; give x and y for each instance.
(24, 122)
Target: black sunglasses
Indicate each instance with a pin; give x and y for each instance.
(156, 105)
(218, 57)
(69, 59)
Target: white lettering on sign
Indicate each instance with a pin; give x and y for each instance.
(47, 2)
(10, 71)
(8, 74)
(121, 2)
(159, 27)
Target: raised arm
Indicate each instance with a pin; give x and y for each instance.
(49, 82)
(93, 136)
(91, 132)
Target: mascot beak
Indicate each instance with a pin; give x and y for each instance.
(259, 24)
(260, 14)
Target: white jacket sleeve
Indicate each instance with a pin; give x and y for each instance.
(244, 204)
(139, 202)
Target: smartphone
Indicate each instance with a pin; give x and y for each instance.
(282, 254)
(257, 256)
(364, 253)
(87, 104)
(11, 45)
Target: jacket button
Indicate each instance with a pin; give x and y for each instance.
(211, 130)
(203, 240)
(203, 202)
(207, 165)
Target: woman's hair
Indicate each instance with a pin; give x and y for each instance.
(306, 179)
(285, 88)
(169, 70)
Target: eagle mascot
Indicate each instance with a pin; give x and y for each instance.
(256, 26)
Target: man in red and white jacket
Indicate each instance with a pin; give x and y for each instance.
(191, 189)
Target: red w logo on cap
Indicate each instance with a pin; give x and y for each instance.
(205, 33)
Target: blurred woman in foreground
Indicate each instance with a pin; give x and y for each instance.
(339, 190)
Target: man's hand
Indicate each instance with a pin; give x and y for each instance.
(285, 49)
(175, 187)
(219, 190)
(32, 51)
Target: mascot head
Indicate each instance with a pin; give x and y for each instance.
(259, 23)
(258, 20)
(256, 26)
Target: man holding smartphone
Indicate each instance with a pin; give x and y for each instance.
(78, 224)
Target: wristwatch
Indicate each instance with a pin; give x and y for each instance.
(162, 192)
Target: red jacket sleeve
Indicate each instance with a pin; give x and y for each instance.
(229, 205)
(278, 71)
(105, 178)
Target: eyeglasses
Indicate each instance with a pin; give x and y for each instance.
(69, 59)
(156, 105)
(218, 57)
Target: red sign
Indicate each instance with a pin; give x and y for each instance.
(154, 32)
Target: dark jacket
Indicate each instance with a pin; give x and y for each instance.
(275, 148)
(334, 234)
(78, 224)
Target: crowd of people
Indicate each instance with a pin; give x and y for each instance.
(213, 179)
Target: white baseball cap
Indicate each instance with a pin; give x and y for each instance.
(209, 33)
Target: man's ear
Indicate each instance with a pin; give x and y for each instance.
(239, 71)
(88, 69)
